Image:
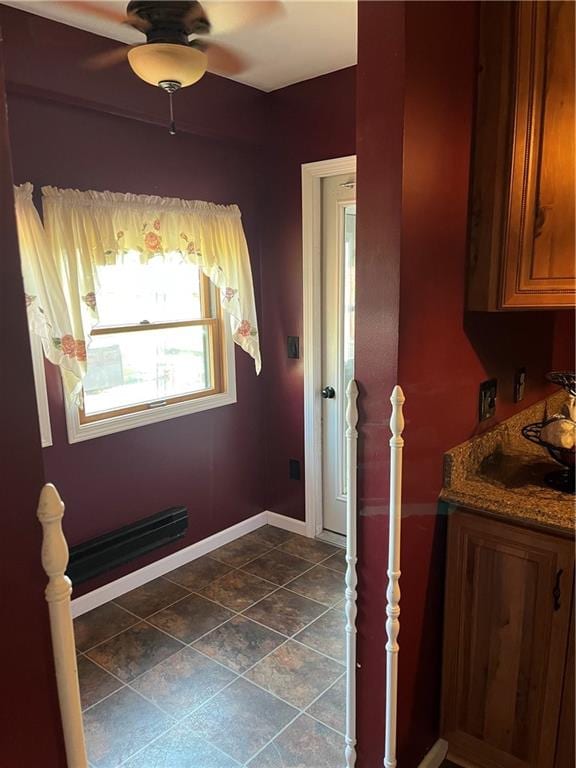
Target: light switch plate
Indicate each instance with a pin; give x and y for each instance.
(293, 347)
(519, 384)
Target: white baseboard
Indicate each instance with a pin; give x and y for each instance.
(158, 568)
(435, 757)
(124, 584)
(287, 523)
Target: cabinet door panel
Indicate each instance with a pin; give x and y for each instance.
(522, 226)
(504, 642)
(553, 253)
(540, 268)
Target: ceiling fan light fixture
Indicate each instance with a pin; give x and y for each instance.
(156, 63)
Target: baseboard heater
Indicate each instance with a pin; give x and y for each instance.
(91, 558)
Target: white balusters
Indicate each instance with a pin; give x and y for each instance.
(393, 591)
(351, 577)
(58, 591)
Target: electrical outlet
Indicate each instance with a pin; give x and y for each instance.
(487, 399)
(519, 384)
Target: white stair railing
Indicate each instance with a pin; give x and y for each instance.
(393, 592)
(351, 576)
(58, 591)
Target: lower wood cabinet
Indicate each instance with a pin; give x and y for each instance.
(506, 640)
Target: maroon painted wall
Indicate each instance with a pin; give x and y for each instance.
(415, 83)
(45, 59)
(118, 479)
(420, 85)
(379, 130)
(29, 709)
(306, 122)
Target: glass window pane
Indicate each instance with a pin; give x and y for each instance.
(163, 290)
(349, 289)
(132, 368)
(348, 319)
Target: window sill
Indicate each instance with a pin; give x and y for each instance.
(77, 432)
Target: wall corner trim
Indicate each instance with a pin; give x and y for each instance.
(114, 589)
(435, 757)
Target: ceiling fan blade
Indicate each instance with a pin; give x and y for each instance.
(108, 14)
(196, 20)
(228, 15)
(108, 58)
(223, 60)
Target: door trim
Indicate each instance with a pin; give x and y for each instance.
(312, 175)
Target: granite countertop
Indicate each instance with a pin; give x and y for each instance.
(502, 473)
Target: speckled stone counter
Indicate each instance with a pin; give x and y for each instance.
(502, 473)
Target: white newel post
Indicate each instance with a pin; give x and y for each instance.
(351, 576)
(393, 592)
(58, 591)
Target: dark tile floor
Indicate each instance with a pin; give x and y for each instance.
(235, 659)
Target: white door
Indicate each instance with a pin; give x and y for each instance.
(338, 302)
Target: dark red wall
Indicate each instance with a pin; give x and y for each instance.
(306, 122)
(415, 83)
(115, 480)
(46, 59)
(31, 727)
(418, 84)
(379, 130)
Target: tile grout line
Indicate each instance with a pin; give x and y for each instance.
(172, 637)
(314, 717)
(100, 642)
(300, 712)
(190, 645)
(193, 592)
(176, 721)
(200, 637)
(299, 642)
(125, 685)
(206, 701)
(128, 684)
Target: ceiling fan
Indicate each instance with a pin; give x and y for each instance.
(176, 53)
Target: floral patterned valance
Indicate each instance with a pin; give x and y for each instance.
(90, 229)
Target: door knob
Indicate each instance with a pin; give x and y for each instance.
(328, 393)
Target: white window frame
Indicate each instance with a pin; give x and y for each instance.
(41, 391)
(78, 432)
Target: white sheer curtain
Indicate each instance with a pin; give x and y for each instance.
(86, 230)
(63, 339)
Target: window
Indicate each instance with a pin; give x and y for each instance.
(160, 349)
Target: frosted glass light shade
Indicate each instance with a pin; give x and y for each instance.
(155, 62)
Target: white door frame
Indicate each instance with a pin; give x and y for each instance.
(312, 175)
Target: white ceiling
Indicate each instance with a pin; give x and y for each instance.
(312, 37)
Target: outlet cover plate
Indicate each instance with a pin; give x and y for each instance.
(487, 399)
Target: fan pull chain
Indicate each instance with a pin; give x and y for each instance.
(172, 128)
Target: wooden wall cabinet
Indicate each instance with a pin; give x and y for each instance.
(522, 197)
(507, 617)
